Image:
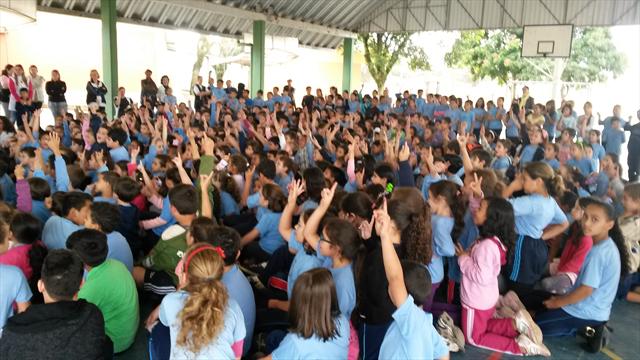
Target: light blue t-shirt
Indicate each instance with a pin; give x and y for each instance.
(467, 237)
(56, 231)
(501, 163)
(426, 184)
(527, 154)
(119, 249)
(13, 288)
(240, 290)
(533, 213)
(600, 271)
(613, 140)
(466, 117)
(554, 163)
(294, 347)
(584, 165)
(253, 201)
(219, 348)
(119, 154)
(301, 262)
(442, 226)
(412, 335)
(478, 114)
(165, 214)
(270, 238)
(345, 284)
(228, 205)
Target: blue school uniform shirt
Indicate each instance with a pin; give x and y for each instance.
(228, 205)
(584, 165)
(442, 226)
(428, 110)
(119, 249)
(494, 123)
(56, 231)
(554, 163)
(240, 290)
(13, 287)
(411, 335)
(613, 141)
(301, 262)
(8, 189)
(270, 238)
(467, 237)
(501, 163)
(598, 151)
(426, 184)
(40, 210)
(600, 271)
(165, 214)
(220, 94)
(478, 114)
(253, 201)
(295, 347)
(533, 213)
(512, 129)
(527, 154)
(220, 347)
(346, 288)
(119, 154)
(283, 182)
(454, 115)
(467, 118)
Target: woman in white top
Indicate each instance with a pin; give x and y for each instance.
(37, 81)
(162, 89)
(16, 82)
(5, 93)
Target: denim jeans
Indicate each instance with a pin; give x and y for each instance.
(558, 322)
(58, 108)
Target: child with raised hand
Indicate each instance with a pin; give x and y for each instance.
(480, 267)
(589, 302)
(273, 201)
(564, 271)
(447, 221)
(411, 335)
(339, 246)
(630, 227)
(318, 327)
(538, 218)
(204, 322)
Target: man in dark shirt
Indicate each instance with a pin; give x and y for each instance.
(308, 99)
(61, 328)
(149, 89)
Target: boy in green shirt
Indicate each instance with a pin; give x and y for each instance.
(108, 285)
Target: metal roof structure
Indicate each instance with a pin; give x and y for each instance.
(324, 23)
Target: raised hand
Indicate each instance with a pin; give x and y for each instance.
(296, 188)
(177, 160)
(54, 143)
(327, 196)
(404, 153)
(476, 184)
(366, 228)
(205, 180)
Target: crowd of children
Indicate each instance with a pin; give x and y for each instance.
(292, 227)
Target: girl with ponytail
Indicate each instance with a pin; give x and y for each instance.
(447, 222)
(538, 218)
(205, 323)
(589, 303)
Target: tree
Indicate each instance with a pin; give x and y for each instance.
(226, 48)
(204, 46)
(496, 55)
(383, 50)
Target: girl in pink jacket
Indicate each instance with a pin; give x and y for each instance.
(480, 267)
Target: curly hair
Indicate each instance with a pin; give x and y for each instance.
(500, 222)
(202, 317)
(412, 217)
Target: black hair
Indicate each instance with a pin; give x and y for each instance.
(62, 273)
(615, 234)
(338, 175)
(105, 215)
(357, 203)
(482, 155)
(416, 281)
(118, 135)
(568, 200)
(229, 240)
(450, 191)
(57, 201)
(185, 199)
(27, 230)
(74, 200)
(90, 245)
(500, 222)
(314, 182)
(267, 168)
(385, 171)
(39, 188)
(127, 189)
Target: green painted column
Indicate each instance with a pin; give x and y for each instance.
(347, 57)
(109, 18)
(257, 57)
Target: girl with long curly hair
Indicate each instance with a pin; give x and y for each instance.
(204, 322)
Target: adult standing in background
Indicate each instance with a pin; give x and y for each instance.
(617, 110)
(149, 89)
(633, 157)
(526, 101)
(37, 82)
(5, 93)
(56, 89)
(96, 90)
(16, 82)
(586, 121)
(200, 91)
(292, 90)
(162, 89)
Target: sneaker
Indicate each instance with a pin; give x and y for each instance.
(525, 325)
(597, 337)
(450, 332)
(529, 347)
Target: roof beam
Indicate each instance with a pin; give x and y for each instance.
(253, 15)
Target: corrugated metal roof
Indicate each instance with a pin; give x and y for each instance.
(322, 23)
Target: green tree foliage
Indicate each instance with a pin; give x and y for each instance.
(204, 46)
(382, 51)
(495, 54)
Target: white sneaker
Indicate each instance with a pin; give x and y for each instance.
(525, 325)
(528, 347)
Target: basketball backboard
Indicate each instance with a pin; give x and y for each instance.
(547, 41)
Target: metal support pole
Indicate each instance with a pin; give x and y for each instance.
(347, 57)
(257, 57)
(109, 18)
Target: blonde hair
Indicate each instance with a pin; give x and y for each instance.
(202, 317)
(552, 182)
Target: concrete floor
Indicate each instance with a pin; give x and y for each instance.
(624, 343)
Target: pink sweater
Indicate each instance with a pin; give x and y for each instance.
(480, 270)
